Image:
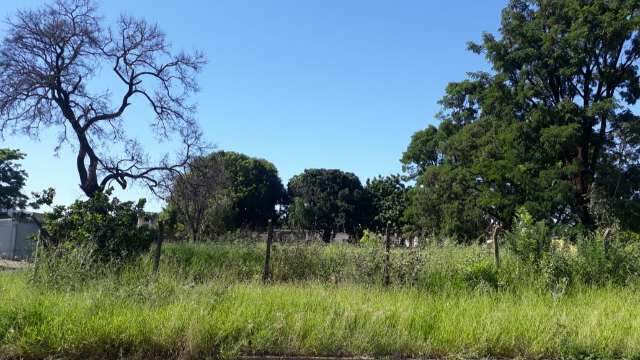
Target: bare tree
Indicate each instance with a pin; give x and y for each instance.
(201, 195)
(47, 60)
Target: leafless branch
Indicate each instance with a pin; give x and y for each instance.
(47, 59)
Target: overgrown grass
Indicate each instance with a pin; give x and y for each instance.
(432, 268)
(324, 300)
(168, 318)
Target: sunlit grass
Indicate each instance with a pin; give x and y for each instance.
(186, 313)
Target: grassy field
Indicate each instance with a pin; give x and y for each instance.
(208, 302)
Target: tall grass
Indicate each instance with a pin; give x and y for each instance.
(169, 318)
(432, 268)
(324, 300)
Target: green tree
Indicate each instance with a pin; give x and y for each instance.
(12, 180)
(551, 124)
(201, 197)
(327, 200)
(423, 151)
(388, 199)
(256, 189)
(226, 190)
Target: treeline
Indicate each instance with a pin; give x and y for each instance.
(551, 130)
(225, 191)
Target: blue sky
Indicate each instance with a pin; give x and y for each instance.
(304, 84)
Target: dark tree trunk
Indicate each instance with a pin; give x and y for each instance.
(585, 175)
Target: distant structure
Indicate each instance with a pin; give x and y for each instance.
(149, 219)
(18, 232)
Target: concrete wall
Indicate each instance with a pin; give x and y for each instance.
(17, 239)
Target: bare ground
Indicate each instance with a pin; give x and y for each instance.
(12, 265)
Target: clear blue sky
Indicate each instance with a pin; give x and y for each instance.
(302, 83)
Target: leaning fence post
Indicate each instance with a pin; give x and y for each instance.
(496, 246)
(158, 250)
(387, 249)
(266, 274)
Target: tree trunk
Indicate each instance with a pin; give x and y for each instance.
(585, 175)
(326, 235)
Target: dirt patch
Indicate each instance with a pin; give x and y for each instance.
(13, 265)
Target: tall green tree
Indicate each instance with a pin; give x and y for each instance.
(225, 191)
(255, 186)
(327, 200)
(551, 125)
(12, 180)
(388, 200)
(201, 197)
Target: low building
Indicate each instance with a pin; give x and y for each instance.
(17, 237)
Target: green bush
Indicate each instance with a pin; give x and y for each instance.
(529, 239)
(371, 239)
(558, 269)
(618, 264)
(480, 273)
(107, 225)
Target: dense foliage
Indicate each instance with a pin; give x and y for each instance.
(12, 180)
(256, 189)
(551, 129)
(387, 202)
(327, 200)
(225, 191)
(108, 227)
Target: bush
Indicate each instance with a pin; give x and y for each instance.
(618, 264)
(558, 269)
(529, 239)
(480, 273)
(371, 239)
(107, 225)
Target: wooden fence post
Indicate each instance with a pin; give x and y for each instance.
(496, 246)
(605, 240)
(36, 255)
(158, 250)
(387, 249)
(266, 274)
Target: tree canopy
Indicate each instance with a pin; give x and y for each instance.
(551, 126)
(388, 200)
(201, 197)
(256, 189)
(12, 180)
(225, 191)
(327, 200)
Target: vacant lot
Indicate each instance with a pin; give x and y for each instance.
(187, 311)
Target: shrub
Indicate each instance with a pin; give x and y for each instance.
(529, 239)
(480, 273)
(109, 225)
(558, 269)
(371, 239)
